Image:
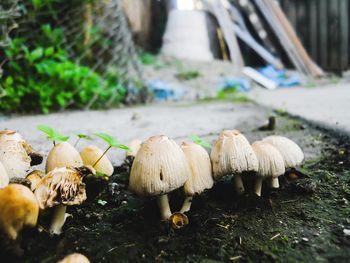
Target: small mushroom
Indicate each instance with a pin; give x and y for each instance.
(34, 178)
(8, 135)
(200, 177)
(91, 154)
(4, 178)
(160, 166)
(19, 208)
(232, 154)
(271, 164)
(62, 155)
(75, 258)
(134, 147)
(291, 152)
(60, 188)
(14, 158)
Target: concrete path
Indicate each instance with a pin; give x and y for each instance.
(175, 120)
(328, 105)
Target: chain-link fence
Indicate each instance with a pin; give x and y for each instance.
(93, 35)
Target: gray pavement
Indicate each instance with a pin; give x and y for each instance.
(326, 105)
(175, 120)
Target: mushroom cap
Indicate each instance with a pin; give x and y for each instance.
(231, 154)
(290, 151)
(19, 208)
(75, 258)
(91, 154)
(61, 186)
(134, 146)
(200, 177)
(160, 166)
(34, 178)
(14, 158)
(4, 178)
(63, 154)
(270, 160)
(8, 135)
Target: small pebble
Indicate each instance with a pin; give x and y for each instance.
(346, 232)
(305, 239)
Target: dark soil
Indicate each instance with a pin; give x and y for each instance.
(303, 221)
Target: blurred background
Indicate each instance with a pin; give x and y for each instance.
(86, 54)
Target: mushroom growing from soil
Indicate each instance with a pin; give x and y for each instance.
(232, 154)
(271, 164)
(75, 258)
(160, 166)
(19, 208)
(8, 135)
(134, 146)
(291, 152)
(14, 158)
(200, 177)
(91, 155)
(60, 188)
(34, 178)
(4, 178)
(63, 154)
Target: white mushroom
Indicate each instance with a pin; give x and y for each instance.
(75, 258)
(271, 164)
(160, 167)
(18, 208)
(60, 188)
(4, 178)
(200, 177)
(14, 158)
(134, 146)
(232, 154)
(61, 155)
(290, 151)
(91, 154)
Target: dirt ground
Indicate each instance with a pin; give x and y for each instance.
(306, 220)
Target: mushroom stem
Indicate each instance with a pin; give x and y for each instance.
(274, 183)
(239, 187)
(163, 203)
(258, 185)
(186, 206)
(58, 219)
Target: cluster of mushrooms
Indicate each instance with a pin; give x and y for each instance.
(159, 166)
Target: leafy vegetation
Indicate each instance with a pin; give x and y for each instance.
(39, 73)
(200, 141)
(52, 134)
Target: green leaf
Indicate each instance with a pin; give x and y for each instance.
(101, 202)
(198, 140)
(84, 136)
(36, 54)
(52, 134)
(111, 141)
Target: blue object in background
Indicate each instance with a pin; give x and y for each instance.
(227, 83)
(163, 90)
(280, 76)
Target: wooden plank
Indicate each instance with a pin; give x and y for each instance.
(259, 78)
(344, 31)
(227, 28)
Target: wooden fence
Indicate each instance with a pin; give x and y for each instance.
(323, 27)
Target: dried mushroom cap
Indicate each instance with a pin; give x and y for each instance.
(62, 155)
(14, 158)
(4, 178)
(34, 178)
(75, 258)
(200, 177)
(270, 160)
(61, 186)
(232, 153)
(134, 146)
(290, 151)
(19, 208)
(8, 135)
(91, 154)
(160, 167)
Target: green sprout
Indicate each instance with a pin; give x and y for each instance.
(112, 143)
(82, 136)
(200, 141)
(52, 134)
